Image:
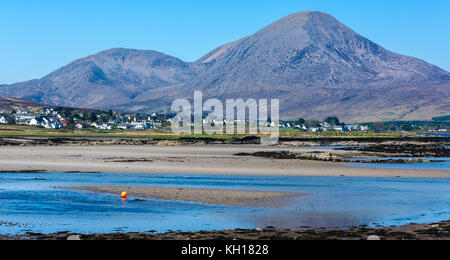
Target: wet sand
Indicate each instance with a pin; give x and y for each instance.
(209, 196)
(209, 159)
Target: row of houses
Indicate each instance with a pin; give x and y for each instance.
(122, 125)
(52, 119)
(44, 121)
(24, 117)
(322, 127)
(50, 122)
(340, 128)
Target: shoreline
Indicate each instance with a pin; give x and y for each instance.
(49, 139)
(435, 231)
(186, 160)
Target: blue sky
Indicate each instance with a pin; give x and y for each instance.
(39, 36)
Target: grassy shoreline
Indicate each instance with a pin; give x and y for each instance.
(28, 131)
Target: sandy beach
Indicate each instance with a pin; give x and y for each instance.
(208, 196)
(210, 159)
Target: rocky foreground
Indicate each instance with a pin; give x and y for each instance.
(405, 150)
(438, 231)
(417, 143)
(330, 157)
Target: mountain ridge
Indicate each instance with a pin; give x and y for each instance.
(314, 64)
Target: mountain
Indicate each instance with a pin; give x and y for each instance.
(314, 64)
(99, 81)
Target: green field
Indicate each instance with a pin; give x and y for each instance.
(24, 131)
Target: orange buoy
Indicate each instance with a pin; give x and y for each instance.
(124, 195)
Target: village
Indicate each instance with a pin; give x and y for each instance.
(67, 118)
(57, 118)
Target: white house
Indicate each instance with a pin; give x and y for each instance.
(80, 126)
(35, 121)
(54, 125)
(124, 126)
(23, 113)
(3, 120)
(23, 117)
(103, 126)
(338, 128)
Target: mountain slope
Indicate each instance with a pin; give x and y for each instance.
(8, 104)
(99, 81)
(314, 49)
(314, 64)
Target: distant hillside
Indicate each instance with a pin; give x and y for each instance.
(16, 104)
(314, 64)
(9, 104)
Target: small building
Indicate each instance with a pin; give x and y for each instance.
(80, 126)
(338, 128)
(124, 126)
(364, 128)
(353, 127)
(37, 121)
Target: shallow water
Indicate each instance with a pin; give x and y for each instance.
(31, 204)
(443, 166)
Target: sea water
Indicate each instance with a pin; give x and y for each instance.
(39, 203)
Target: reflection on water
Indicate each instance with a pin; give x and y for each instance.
(29, 203)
